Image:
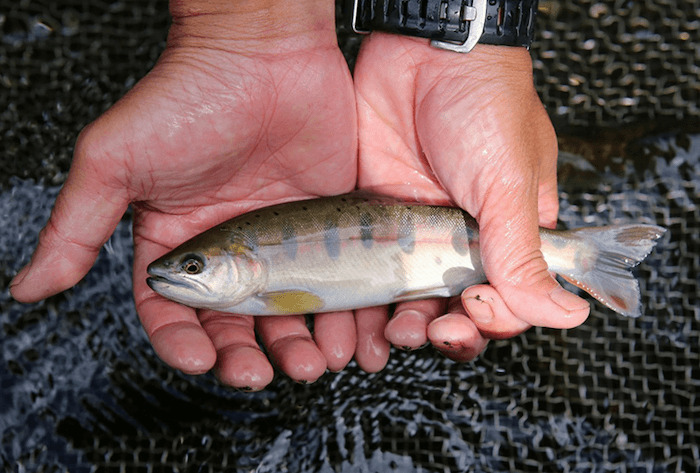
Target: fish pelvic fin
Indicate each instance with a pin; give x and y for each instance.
(615, 250)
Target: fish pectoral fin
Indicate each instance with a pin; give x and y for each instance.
(292, 302)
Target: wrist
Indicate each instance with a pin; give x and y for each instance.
(501, 61)
(495, 65)
(262, 25)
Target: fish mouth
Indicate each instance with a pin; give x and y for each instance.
(157, 282)
(159, 279)
(163, 282)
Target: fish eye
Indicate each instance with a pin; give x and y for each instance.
(192, 264)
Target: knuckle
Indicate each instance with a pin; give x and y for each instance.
(525, 269)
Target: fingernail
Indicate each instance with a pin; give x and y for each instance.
(567, 300)
(479, 309)
(412, 313)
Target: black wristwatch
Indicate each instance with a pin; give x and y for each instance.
(457, 25)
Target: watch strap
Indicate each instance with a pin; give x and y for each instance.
(505, 22)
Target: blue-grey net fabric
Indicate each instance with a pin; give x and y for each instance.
(82, 390)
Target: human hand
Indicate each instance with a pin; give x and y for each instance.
(468, 129)
(227, 121)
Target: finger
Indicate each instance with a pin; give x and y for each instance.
(490, 314)
(408, 328)
(514, 264)
(336, 337)
(372, 352)
(240, 361)
(548, 196)
(173, 329)
(506, 176)
(290, 345)
(545, 148)
(522, 197)
(455, 335)
(86, 212)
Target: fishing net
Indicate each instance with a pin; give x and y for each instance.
(82, 390)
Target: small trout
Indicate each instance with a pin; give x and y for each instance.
(355, 250)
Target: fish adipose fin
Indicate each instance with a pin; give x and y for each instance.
(616, 250)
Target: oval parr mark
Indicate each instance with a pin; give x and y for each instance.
(460, 241)
(289, 241)
(331, 239)
(366, 235)
(407, 233)
(457, 279)
(244, 240)
(435, 219)
(251, 237)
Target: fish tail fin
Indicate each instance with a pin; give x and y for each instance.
(615, 250)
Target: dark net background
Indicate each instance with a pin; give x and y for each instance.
(81, 389)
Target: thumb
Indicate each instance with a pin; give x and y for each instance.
(84, 216)
(515, 266)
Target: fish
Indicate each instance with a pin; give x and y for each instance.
(361, 250)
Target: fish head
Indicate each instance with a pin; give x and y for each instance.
(207, 275)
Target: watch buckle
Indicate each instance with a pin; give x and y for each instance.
(475, 15)
(355, 6)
